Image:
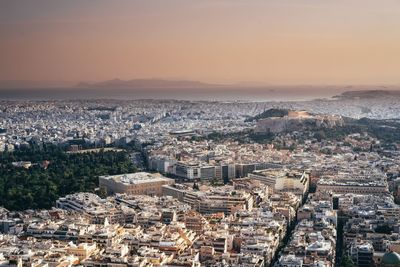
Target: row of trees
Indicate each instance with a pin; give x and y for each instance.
(37, 187)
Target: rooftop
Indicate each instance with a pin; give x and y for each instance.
(137, 178)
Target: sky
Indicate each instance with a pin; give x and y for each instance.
(264, 41)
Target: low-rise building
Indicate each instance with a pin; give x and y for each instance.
(141, 183)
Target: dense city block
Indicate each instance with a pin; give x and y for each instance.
(197, 183)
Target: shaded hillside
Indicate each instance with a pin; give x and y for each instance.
(270, 113)
(387, 131)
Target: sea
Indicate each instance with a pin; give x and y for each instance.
(240, 94)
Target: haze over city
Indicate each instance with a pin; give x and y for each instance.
(197, 133)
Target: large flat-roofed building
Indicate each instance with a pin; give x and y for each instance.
(140, 183)
(283, 180)
(209, 200)
(355, 187)
(355, 181)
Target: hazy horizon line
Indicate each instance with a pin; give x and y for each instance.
(71, 84)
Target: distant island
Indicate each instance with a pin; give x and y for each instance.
(146, 83)
(364, 94)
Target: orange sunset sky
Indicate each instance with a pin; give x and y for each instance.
(268, 41)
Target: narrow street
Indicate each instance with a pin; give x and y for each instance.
(289, 232)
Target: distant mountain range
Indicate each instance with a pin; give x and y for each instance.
(147, 83)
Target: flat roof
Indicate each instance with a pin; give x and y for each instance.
(137, 178)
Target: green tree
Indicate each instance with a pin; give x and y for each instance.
(37, 188)
(347, 262)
